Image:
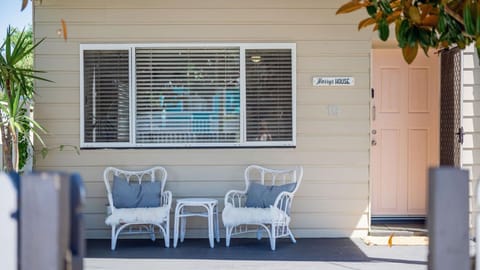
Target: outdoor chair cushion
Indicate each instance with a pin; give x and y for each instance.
(143, 215)
(233, 216)
(133, 195)
(264, 196)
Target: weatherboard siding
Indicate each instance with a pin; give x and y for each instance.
(333, 149)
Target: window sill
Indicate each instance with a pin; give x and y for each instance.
(187, 147)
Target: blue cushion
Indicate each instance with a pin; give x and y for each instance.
(133, 195)
(261, 196)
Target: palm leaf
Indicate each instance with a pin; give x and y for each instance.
(16, 78)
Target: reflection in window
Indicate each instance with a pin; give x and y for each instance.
(187, 95)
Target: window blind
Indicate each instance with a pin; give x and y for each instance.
(187, 95)
(269, 94)
(106, 96)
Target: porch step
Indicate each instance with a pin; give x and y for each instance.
(413, 229)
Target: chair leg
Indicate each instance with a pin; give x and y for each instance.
(228, 235)
(166, 235)
(183, 228)
(114, 238)
(152, 233)
(259, 233)
(272, 237)
(210, 228)
(217, 227)
(291, 236)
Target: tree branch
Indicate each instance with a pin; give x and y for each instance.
(454, 15)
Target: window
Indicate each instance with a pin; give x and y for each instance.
(269, 94)
(106, 96)
(187, 95)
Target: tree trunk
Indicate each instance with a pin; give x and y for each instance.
(7, 136)
(14, 149)
(7, 150)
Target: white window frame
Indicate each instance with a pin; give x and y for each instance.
(132, 93)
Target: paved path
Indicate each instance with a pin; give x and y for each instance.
(323, 254)
(145, 264)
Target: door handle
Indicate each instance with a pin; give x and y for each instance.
(460, 134)
(374, 142)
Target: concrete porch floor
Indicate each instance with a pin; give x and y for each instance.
(307, 253)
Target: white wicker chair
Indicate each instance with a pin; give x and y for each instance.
(139, 220)
(239, 219)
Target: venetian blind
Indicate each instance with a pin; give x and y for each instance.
(269, 94)
(187, 95)
(106, 95)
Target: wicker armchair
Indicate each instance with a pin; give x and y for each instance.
(264, 205)
(142, 218)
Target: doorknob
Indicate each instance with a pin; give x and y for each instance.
(374, 142)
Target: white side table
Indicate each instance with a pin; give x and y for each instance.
(211, 213)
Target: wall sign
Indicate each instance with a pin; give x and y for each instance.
(333, 81)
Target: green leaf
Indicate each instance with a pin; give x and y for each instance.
(372, 11)
(467, 18)
(442, 22)
(44, 152)
(425, 49)
(424, 37)
(477, 26)
(385, 5)
(402, 33)
(383, 29)
(412, 36)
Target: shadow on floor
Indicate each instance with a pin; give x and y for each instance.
(306, 249)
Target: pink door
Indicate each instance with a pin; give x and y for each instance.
(404, 131)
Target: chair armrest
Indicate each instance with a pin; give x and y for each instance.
(110, 201)
(236, 197)
(166, 199)
(284, 202)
